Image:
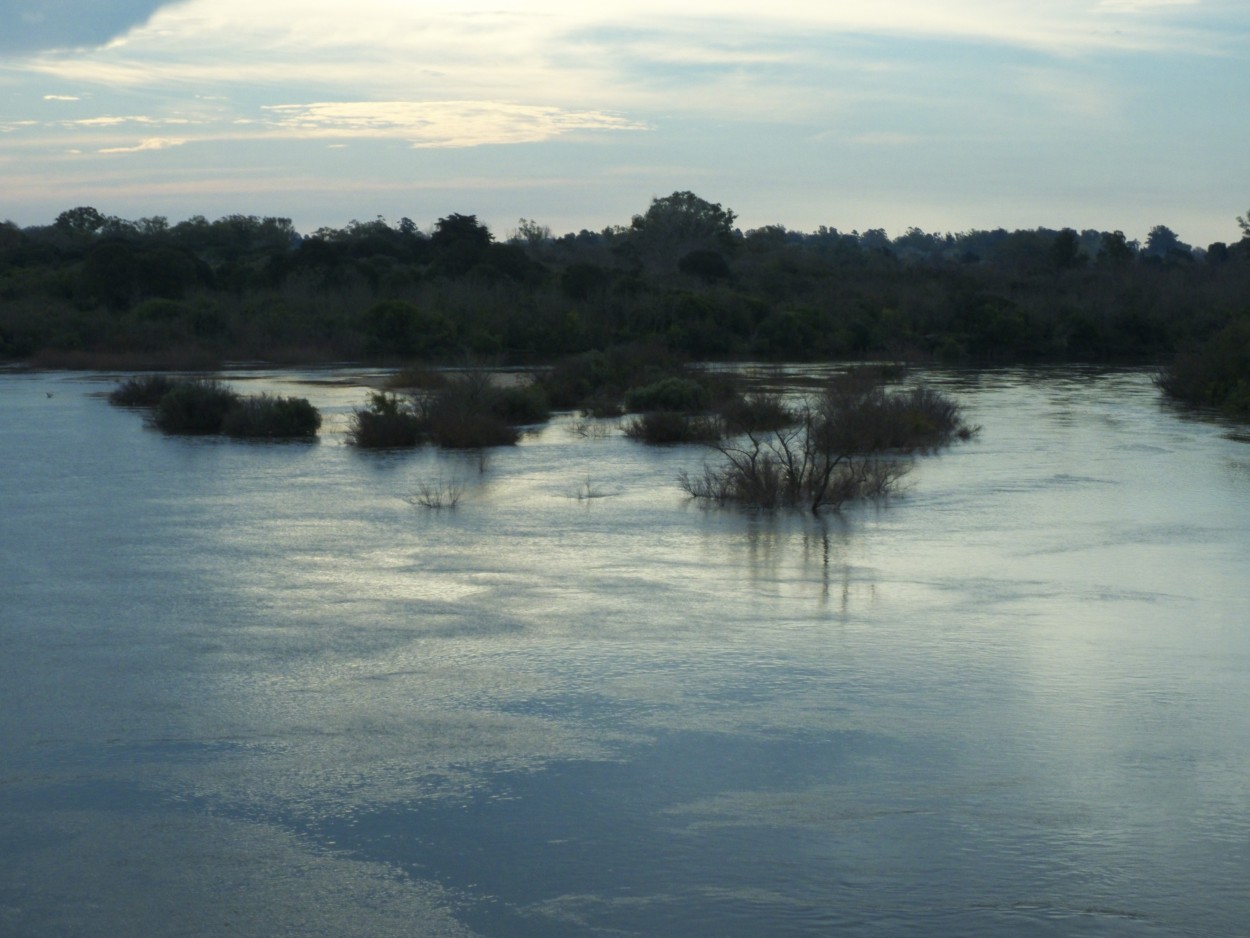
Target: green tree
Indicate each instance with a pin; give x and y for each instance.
(678, 224)
(82, 221)
(1065, 250)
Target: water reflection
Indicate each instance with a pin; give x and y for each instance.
(1010, 701)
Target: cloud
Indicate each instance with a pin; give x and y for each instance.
(151, 143)
(439, 123)
(61, 97)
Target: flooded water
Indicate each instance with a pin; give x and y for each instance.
(254, 690)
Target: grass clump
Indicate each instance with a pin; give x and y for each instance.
(197, 407)
(270, 417)
(388, 421)
(142, 390)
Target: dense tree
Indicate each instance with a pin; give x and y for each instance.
(1065, 250)
(81, 221)
(677, 224)
(1163, 242)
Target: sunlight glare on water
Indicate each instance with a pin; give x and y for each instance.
(256, 689)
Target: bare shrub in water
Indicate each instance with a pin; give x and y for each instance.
(436, 495)
(852, 442)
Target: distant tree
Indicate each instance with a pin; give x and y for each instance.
(677, 224)
(708, 265)
(531, 232)
(1065, 250)
(81, 221)
(1243, 222)
(459, 242)
(1163, 241)
(1115, 251)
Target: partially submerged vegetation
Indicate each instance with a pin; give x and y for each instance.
(208, 406)
(853, 441)
(271, 417)
(470, 410)
(1215, 373)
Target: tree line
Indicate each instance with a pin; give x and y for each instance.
(97, 290)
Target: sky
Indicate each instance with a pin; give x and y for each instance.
(945, 115)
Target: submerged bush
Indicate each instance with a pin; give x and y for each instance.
(668, 394)
(754, 412)
(666, 426)
(604, 376)
(142, 390)
(852, 442)
(272, 418)
(198, 406)
(471, 411)
(388, 421)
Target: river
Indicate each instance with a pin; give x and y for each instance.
(254, 689)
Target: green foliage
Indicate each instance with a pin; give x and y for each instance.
(198, 406)
(401, 328)
(142, 390)
(388, 421)
(670, 394)
(597, 380)
(851, 442)
(666, 426)
(471, 411)
(269, 417)
(754, 413)
(1214, 374)
(679, 278)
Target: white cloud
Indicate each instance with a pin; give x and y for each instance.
(438, 123)
(151, 143)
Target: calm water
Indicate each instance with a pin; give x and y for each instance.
(253, 690)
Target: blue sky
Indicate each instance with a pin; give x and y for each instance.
(940, 114)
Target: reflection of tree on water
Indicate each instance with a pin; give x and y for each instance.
(788, 553)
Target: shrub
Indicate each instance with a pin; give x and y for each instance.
(198, 406)
(604, 376)
(521, 404)
(471, 411)
(388, 421)
(142, 391)
(668, 394)
(273, 418)
(416, 378)
(754, 412)
(850, 443)
(437, 495)
(1216, 374)
(666, 426)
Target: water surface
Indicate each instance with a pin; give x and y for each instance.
(252, 689)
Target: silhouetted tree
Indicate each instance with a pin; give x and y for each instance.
(1065, 250)
(677, 224)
